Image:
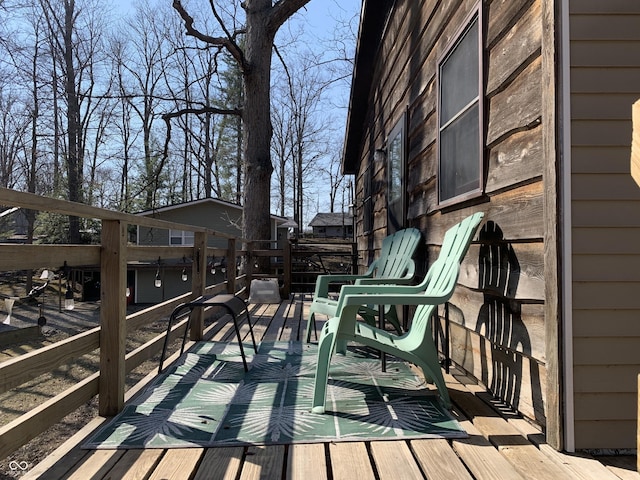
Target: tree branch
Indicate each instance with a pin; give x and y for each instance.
(199, 111)
(281, 12)
(226, 42)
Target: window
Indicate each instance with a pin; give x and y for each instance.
(396, 185)
(367, 203)
(180, 237)
(460, 117)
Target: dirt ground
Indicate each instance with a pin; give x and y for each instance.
(59, 325)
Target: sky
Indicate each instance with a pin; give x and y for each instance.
(317, 21)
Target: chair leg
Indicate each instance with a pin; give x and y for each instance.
(311, 322)
(428, 362)
(325, 352)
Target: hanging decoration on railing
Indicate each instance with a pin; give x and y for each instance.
(69, 303)
(221, 264)
(158, 281)
(184, 276)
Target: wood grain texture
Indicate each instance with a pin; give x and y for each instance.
(516, 47)
(306, 461)
(113, 312)
(438, 460)
(177, 464)
(263, 462)
(350, 460)
(220, 464)
(135, 464)
(388, 457)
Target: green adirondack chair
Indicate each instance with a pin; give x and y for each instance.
(416, 345)
(394, 265)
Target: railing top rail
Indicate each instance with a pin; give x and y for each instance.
(65, 207)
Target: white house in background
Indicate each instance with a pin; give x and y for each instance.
(332, 225)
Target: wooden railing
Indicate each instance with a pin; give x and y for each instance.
(112, 256)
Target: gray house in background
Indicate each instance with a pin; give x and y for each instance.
(332, 225)
(215, 214)
(13, 225)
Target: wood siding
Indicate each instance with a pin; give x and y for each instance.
(497, 313)
(605, 81)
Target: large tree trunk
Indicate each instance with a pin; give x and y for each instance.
(74, 167)
(256, 118)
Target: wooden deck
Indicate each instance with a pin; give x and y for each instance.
(500, 445)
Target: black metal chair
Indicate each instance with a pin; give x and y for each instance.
(232, 303)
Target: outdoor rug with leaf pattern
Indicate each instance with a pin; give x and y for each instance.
(206, 399)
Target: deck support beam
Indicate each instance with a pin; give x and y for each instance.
(113, 315)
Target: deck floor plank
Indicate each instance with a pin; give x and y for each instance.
(582, 466)
(177, 464)
(220, 464)
(306, 461)
(290, 330)
(95, 465)
(350, 461)
(66, 456)
(500, 446)
(438, 460)
(261, 316)
(135, 464)
(523, 455)
(273, 332)
(624, 466)
(388, 455)
(263, 463)
(481, 457)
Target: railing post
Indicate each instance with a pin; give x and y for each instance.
(249, 266)
(286, 267)
(113, 315)
(232, 271)
(198, 283)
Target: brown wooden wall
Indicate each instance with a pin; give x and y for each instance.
(498, 324)
(605, 81)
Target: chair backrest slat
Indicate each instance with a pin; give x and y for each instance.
(396, 254)
(442, 277)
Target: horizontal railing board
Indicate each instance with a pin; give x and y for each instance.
(18, 370)
(25, 257)
(26, 427)
(47, 204)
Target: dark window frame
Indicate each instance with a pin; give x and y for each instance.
(367, 202)
(476, 16)
(396, 153)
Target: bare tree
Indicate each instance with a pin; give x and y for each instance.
(302, 134)
(75, 32)
(336, 179)
(263, 18)
(146, 68)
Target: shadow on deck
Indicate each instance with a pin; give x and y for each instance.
(501, 444)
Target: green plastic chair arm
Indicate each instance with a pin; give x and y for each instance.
(386, 289)
(323, 281)
(384, 281)
(394, 299)
(370, 292)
